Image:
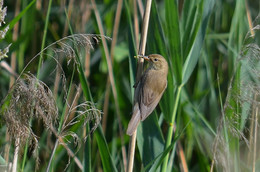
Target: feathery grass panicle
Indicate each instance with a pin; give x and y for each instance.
(69, 48)
(85, 112)
(29, 98)
(3, 31)
(235, 145)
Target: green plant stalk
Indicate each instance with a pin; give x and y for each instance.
(61, 122)
(87, 153)
(24, 156)
(223, 116)
(170, 131)
(44, 36)
(22, 47)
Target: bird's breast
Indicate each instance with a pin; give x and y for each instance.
(156, 80)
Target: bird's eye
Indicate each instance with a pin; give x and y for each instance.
(156, 60)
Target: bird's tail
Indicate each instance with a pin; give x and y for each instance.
(136, 117)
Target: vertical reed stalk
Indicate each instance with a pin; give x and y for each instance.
(16, 152)
(255, 140)
(141, 51)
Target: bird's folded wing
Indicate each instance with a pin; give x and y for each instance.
(149, 101)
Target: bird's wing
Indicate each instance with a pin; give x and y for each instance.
(149, 100)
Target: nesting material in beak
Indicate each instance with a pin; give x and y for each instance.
(144, 57)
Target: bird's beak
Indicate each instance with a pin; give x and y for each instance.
(146, 58)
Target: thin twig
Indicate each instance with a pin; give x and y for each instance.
(52, 155)
(139, 74)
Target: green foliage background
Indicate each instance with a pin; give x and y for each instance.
(202, 40)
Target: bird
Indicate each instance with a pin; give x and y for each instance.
(148, 90)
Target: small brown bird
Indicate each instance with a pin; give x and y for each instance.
(149, 90)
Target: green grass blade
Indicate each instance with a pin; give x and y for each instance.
(155, 164)
(107, 161)
(173, 35)
(194, 53)
(19, 16)
(44, 36)
(192, 28)
(150, 139)
(87, 153)
(132, 49)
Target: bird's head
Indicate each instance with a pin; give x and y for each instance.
(157, 62)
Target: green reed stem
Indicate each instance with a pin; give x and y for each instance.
(170, 131)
